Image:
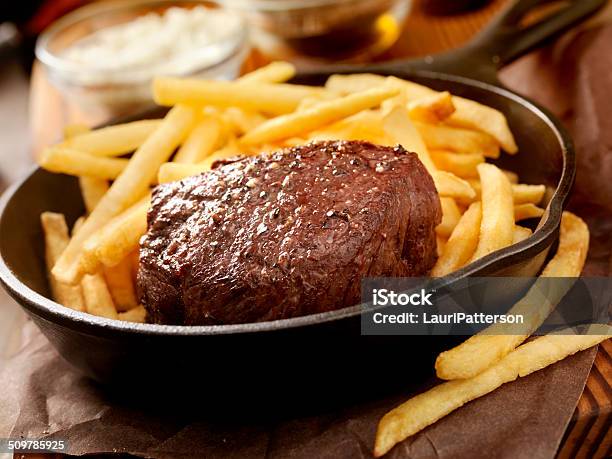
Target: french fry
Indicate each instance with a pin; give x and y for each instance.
(449, 185)
(497, 224)
(398, 125)
(274, 72)
(173, 172)
(432, 109)
(525, 194)
(521, 193)
(461, 164)
(274, 99)
(450, 217)
(72, 130)
(134, 258)
(241, 121)
(130, 186)
(365, 125)
(114, 140)
(98, 300)
(461, 244)
(359, 82)
(119, 281)
(481, 351)
(201, 141)
(309, 102)
(56, 239)
(117, 239)
(324, 113)
(520, 234)
(468, 113)
(573, 247)
(440, 245)
(137, 314)
(428, 407)
(74, 162)
(92, 190)
(526, 211)
(512, 176)
(443, 137)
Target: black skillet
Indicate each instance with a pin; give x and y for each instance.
(319, 355)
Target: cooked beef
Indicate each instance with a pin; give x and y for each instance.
(286, 234)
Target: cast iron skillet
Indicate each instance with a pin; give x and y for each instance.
(317, 354)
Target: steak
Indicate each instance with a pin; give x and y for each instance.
(286, 234)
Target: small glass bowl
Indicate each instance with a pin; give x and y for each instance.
(323, 30)
(119, 91)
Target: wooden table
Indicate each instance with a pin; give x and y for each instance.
(589, 434)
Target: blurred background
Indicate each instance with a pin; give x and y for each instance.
(75, 80)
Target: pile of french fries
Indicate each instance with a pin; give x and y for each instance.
(213, 120)
(497, 355)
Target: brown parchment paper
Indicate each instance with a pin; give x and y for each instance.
(41, 396)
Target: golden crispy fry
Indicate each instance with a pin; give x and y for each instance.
(72, 130)
(440, 245)
(137, 314)
(472, 115)
(241, 121)
(512, 176)
(56, 239)
(451, 186)
(461, 164)
(398, 125)
(98, 300)
(112, 140)
(461, 244)
(432, 109)
(134, 258)
(526, 211)
(130, 186)
(92, 190)
(74, 162)
(119, 281)
(484, 349)
(117, 239)
(428, 407)
(573, 247)
(443, 137)
(274, 72)
(173, 172)
(400, 128)
(468, 113)
(359, 82)
(450, 217)
(365, 125)
(525, 194)
(201, 141)
(324, 113)
(275, 99)
(309, 102)
(497, 225)
(520, 234)
(521, 193)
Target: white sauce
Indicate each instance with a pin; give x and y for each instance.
(179, 42)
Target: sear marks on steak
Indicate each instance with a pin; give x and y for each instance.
(286, 234)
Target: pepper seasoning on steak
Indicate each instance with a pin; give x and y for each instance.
(286, 234)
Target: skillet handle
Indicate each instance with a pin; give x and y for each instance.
(506, 39)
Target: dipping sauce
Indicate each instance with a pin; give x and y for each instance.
(177, 42)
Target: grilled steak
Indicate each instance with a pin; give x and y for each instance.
(286, 234)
